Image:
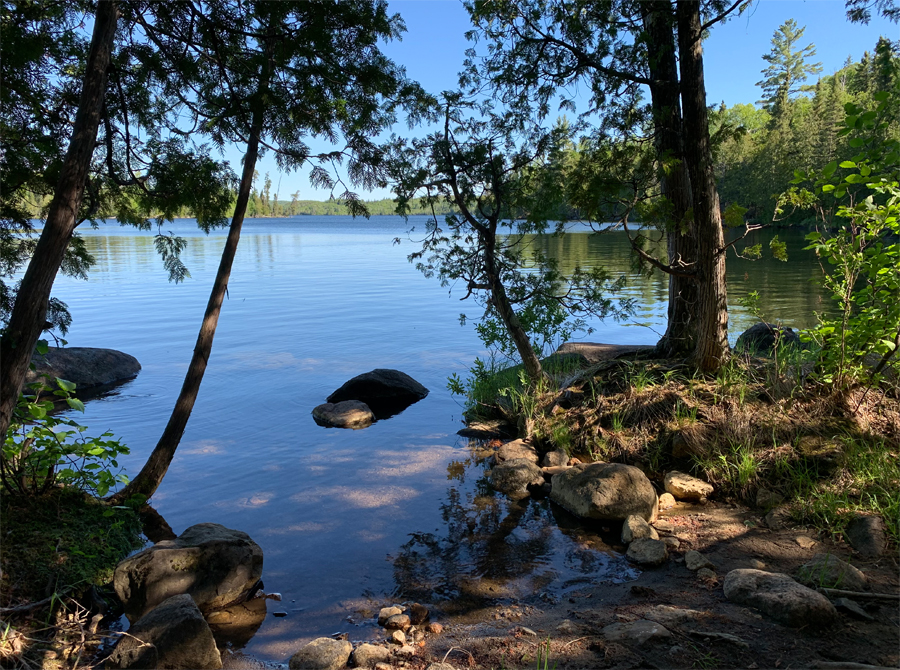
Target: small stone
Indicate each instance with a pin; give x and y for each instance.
(566, 628)
(274, 596)
(397, 622)
(766, 499)
(397, 637)
(866, 534)
(666, 501)
(367, 655)
(383, 666)
(778, 518)
(635, 527)
(517, 449)
(686, 487)
(440, 666)
(852, 608)
(406, 650)
(528, 632)
(418, 614)
(662, 525)
(639, 632)
(574, 461)
(672, 542)
(706, 574)
(831, 572)
(434, 628)
(323, 653)
(648, 552)
(805, 542)
(555, 459)
(694, 560)
(279, 614)
(386, 613)
(757, 564)
(780, 597)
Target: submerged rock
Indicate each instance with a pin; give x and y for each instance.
(514, 477)
(780, 597)
(215, 565)
(608, 491)
(346, 414)
(172, 635)
(86, 367)
(386, 392)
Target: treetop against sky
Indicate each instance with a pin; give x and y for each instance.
(433, 48)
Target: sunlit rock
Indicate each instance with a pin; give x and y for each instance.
(609, 491)
(345, 414)
(86, 367)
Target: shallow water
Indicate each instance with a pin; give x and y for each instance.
(348, 520)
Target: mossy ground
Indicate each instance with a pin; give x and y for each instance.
(758, 424)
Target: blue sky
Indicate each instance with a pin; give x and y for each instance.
(432, 50)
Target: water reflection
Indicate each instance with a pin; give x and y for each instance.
(492, 550)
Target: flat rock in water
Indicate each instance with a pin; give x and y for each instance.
(827, 570)
(86, 367)
(866, 534)
(172, 635)
(686, 487)
(517, 449)
(215, 565)
(514, 477)
(648, 552)
(607, 491)
(780, 597)
(346, 414)
(639, 632)
(635, 528)
(323, 653)
(386, 392)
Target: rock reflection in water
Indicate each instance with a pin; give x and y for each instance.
(234, 626)
(492, 549)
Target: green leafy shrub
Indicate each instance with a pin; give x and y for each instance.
(42, 451)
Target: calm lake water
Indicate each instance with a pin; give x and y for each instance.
(350, 520)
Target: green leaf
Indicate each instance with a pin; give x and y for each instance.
(829, 169)
(65, 384)
(827, 188)
(42, 347)
(848, 164)
(75, 403)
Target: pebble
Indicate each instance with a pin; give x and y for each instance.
(279, 614)
(666, 501)
(386, 613)
(672, 542)
(383, 666)
(528, 632)
(566, 628)
(398, 637)
(434, 628)
(418, 614)
(663, 526)
(706, 574)
(407, 650)
(694, 560)
(757, 564)
(805, 542)
(397, 622)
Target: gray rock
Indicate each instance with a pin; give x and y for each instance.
(440, 666)
(852, 608)
(762, 338)
(555, 459)
(397, 637)
(674, 616)
(636, 632)
(648, 552)
(86, 367)
(397, 622)
(706, 573)
(367, 655)
(387, 612)
(662, 525)
(672, 542)
(172, 635)
(831, 572)
(608, 491)
(514, 477)
(694, 560)
(686, 487)
(215, 565)
(780, 597)
(866, 535)
(517, 449)
(766, 499)
(666, 501)
(322, 653)
(345, 414)
(386, 392)
(635, 528)
(779, 518)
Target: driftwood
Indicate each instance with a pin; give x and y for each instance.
(862, 595)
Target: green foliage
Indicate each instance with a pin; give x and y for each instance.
(860, 199)
(43, 451)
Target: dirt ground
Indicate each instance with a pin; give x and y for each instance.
(694, 611)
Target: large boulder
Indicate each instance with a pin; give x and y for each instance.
(172, 635)
(346, 414)
(386, 392)
(323, 653)
(86, 367)
(513, 477)
(762, 338)
(780, 597)
(215, 565)
(608, 491)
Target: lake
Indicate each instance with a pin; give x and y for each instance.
(351, 520)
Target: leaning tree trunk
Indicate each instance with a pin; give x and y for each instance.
(500, 302)
(711, 348)
(679, 338)
(151, 475)
(29, 313)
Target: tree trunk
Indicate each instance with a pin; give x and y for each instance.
(30, 310)
(151, 475)
(500, 301)
(679, 338)
(711, 314)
